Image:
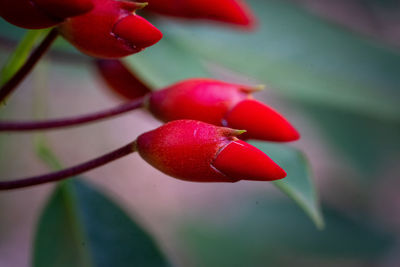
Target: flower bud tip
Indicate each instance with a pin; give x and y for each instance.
(261, 122)
(137, 31)
(239, 160)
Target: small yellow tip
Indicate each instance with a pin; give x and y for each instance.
(138, 5)
(239, 132)
(258, 87)
(255, 88)
(141, 5)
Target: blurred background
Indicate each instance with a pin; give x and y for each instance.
(331, 66)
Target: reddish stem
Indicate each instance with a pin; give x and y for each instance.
(67, 122)
(66, 173)
(12, 83)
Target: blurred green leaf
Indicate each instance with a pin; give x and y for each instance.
(275, 233)
(167, 62)
(300, 55)
(298, 184)
(11, 35)
(21, 53)
(368, 143)
(81, 227)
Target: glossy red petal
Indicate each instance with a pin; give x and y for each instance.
(137, 31)
(242, 161)
(261, 122)
(120, 79)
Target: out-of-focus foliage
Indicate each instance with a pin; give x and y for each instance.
(271, 232)
(299, 182)
(81, 227)
(21, 54)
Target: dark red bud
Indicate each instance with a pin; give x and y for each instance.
(110, 30)
(65, 9)
(228, 11)
(120, 79)
(38, 14)
(200, 152)
(261, 122)
(224, 104)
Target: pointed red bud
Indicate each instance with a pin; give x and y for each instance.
(200, 152)
(39, 14)
(137, 31)
(261, 122)
(110, 30)
(234, 12)
(120, 79)
(239, 159)
(221, 103)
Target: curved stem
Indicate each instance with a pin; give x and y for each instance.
(72, 121)
(66, 173)
(12, 83)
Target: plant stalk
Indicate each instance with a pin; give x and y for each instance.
(7, 88)
(69, 122)
(71, 171)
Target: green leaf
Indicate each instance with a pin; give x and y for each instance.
(81, 227)
(166, 63)
(367, 143)
(299, 183)
(21, 53)
(300, 55)
(268, 232)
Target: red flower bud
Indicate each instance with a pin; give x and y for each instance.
(110, 30)
(38, 14)
(260, 121)
(120, 79)
(228, 11)
(200, 152)
(221, 103)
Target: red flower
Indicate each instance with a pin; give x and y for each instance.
(221, 103)
(110, 30)
(228, 11)
(38, 14)
(200, 152)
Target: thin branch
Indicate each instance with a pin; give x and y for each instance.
(72, 171)
(12, 83)
(72, 121)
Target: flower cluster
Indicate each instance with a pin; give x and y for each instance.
(181, 149)
(206, 120)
